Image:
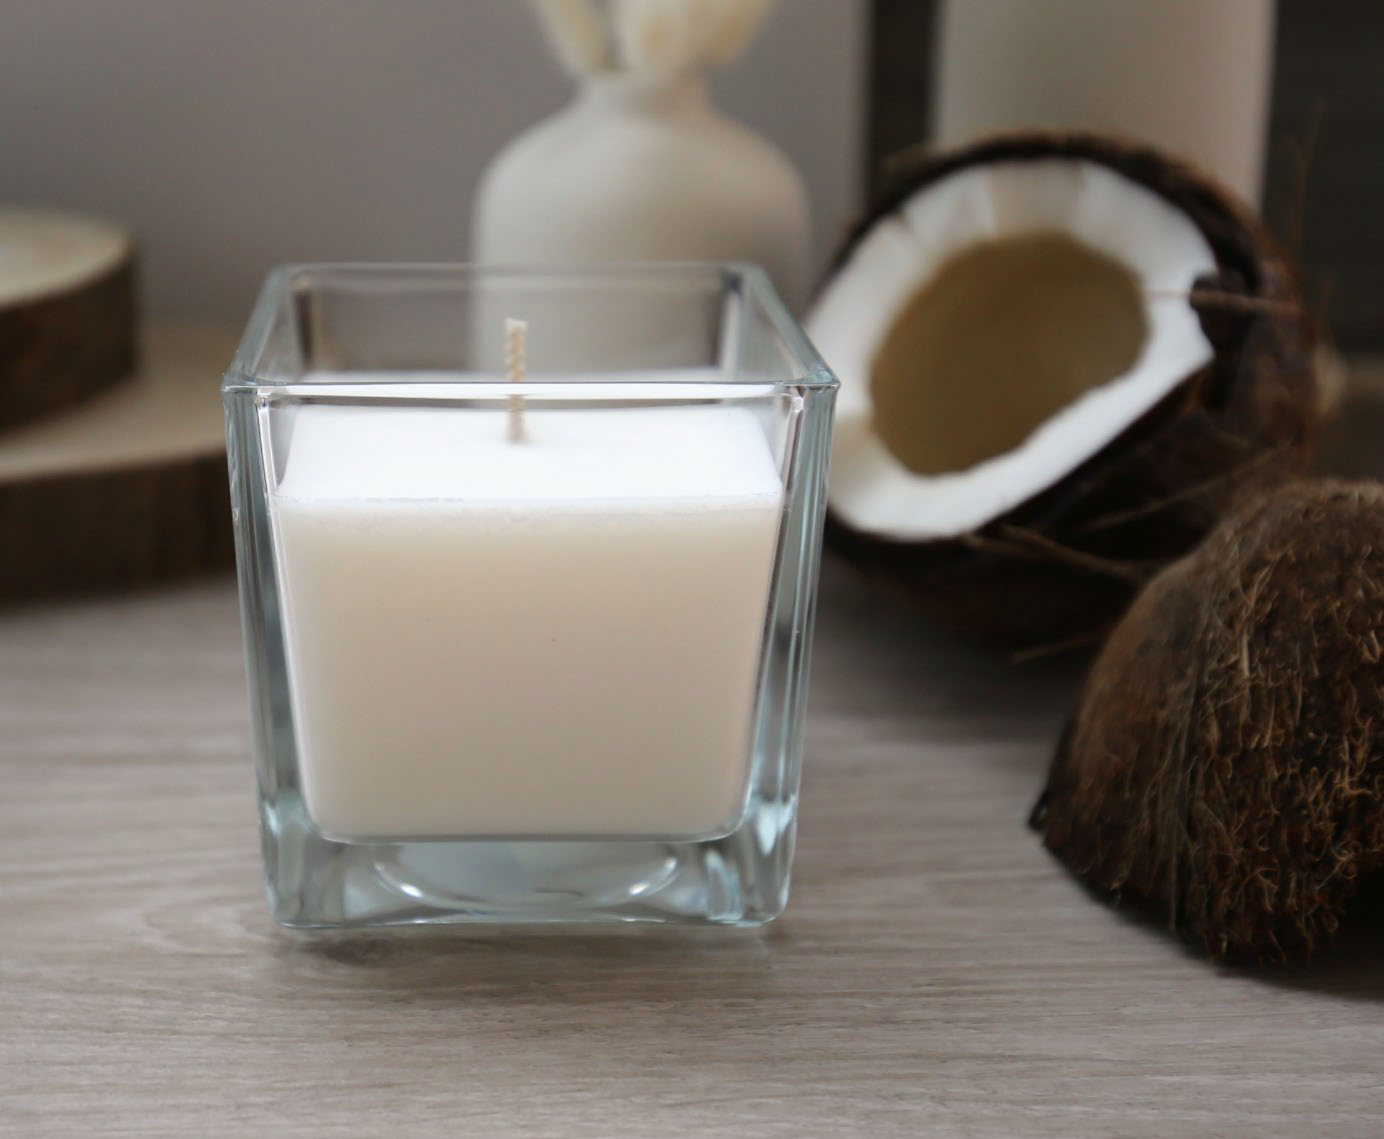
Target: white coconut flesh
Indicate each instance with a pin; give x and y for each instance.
(996, 331)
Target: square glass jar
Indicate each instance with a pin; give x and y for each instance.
(527, 645)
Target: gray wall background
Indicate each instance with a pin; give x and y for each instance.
(233, 134)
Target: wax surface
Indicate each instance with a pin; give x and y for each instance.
(558, 637)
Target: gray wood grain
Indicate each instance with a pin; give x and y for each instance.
(936, 972)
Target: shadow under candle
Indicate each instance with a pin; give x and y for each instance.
(639, 964)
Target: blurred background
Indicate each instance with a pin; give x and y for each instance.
(227, 138)
(233, 136)
(1323, 180)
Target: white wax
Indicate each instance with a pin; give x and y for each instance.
(554, 637)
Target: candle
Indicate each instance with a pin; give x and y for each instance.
(557, 636)
(528, 625)
(1105, 65)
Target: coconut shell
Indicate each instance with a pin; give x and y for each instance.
(1064, 564)
(1226, 760)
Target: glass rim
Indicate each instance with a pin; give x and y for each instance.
(284, 282)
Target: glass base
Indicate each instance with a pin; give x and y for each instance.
(318, 883)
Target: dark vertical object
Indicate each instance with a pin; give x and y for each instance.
(901, 78)
(1328, 111)
(1324, 192)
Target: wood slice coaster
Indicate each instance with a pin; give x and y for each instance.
(130, 487)
(67, 311)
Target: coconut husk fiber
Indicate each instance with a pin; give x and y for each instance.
(1226, 760)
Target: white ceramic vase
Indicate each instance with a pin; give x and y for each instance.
(639, 168)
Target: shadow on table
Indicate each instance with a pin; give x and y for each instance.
(1349, 968)
(624, 966)
(875, 656)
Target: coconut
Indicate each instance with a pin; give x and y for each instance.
(1226, 760)
(1061, 357)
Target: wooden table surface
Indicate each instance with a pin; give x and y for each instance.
(936, 973)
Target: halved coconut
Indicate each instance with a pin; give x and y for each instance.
(1059, 357)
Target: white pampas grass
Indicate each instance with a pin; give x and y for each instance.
(652, 37)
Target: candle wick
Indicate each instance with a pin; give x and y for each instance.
(516, 333)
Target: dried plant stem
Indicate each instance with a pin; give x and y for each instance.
(1016, 541)
(1239, 302)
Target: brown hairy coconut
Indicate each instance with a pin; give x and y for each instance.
(1061, 356)
(1226, 761)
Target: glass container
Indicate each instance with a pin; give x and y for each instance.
(527, 612)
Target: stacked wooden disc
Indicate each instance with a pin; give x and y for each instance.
(112, 459)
